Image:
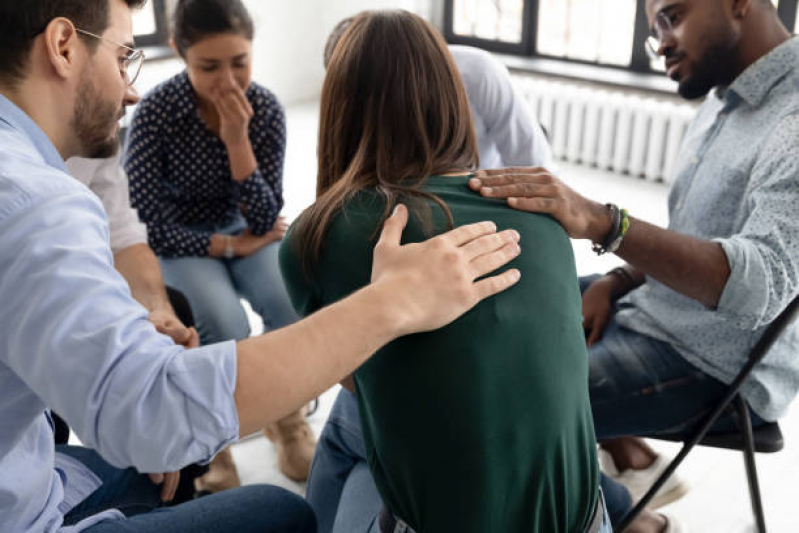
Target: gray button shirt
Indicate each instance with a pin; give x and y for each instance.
(738, 184)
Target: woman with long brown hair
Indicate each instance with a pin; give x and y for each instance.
(484, 425)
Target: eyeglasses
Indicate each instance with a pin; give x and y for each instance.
(662, 28)
(130, 65)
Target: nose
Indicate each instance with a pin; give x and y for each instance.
(666, 44)
(131, 96)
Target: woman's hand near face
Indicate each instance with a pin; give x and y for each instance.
(235, 113)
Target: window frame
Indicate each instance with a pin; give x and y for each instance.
(161, 35)
(639, 62)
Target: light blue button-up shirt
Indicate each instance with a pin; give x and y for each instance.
(738, 184)
(72, 338)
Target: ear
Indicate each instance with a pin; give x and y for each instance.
(61, 46)
(741, 8)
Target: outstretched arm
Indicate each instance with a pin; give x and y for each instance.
(416, 287)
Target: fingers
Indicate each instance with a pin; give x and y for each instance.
(490, 286)
(506, 176)
(466, 234)
(194, 339)
(489, 243)
(170, 486)
(179, 333)
(534, 205)
(392, 229)
(157, 479)
(490, 262)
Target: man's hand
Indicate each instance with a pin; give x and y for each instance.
(597, 307)
(537, 191)
(167, 323)
(169, 484)
(433, 282)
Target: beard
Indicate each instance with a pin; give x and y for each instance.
(94, 122)
(716, 67)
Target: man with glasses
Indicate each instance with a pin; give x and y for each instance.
(670, 329)
(73, 338)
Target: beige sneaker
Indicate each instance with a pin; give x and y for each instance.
(295, 444)
(221, 475)
(637, 482)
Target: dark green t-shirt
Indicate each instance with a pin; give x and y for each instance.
(484, 425)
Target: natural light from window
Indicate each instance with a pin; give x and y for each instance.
(144, 20)
(493, 20)
(590, 30)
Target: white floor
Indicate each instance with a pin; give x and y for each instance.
(718, 501)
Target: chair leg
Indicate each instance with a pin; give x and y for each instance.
(749, 461)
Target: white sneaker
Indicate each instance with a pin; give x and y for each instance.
(637, 482)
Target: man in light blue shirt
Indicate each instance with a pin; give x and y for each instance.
(694, 298)
(73, 338)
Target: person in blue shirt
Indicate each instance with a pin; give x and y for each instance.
(670, 330)
(72, 338)
(205, 156)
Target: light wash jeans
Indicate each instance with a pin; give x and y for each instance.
(341, 489)
(213, 287)
(250, 509)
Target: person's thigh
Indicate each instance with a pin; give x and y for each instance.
(258, 279)
(123, 489)
(360, 504)
(250, 509)
(207, 284)
(339, 451)
(641, 386)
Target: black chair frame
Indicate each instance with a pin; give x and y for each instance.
(767, 438)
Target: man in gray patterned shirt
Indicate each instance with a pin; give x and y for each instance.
(671, 328)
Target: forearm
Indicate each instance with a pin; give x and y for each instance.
(280, 371)
(139, 266)
(695, 268)
(242, 160)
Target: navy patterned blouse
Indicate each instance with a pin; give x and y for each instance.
(180, 174)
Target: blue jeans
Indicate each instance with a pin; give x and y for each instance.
(213, 287)
(341, 489)
(255, 508)
(642, 386)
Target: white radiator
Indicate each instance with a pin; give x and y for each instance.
(611, 130)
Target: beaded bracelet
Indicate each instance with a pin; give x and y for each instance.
(620, 224)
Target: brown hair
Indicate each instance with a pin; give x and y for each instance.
(394, 111)
(22, 22)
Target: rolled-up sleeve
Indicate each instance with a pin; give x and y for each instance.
(764, 256)
(77, 338)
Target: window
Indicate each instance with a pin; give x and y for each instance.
(149, 24)
(599, 31)
(497, 20)
(603, 32)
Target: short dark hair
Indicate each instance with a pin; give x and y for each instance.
(197, 19)
(21, 22)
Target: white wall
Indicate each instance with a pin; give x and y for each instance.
(290, 39)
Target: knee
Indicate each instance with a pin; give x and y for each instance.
(280, 509)
(222, 324)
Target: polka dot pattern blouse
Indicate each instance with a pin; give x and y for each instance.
(180, 175)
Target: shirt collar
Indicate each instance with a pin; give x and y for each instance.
(17, 119)
(756, 82)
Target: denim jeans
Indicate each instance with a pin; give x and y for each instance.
(255, 508)
(213, 287)
(341, 489)
(642, 386)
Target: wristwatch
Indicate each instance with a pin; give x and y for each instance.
(229, 253)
